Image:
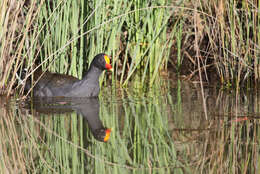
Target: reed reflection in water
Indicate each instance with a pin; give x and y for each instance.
(161, 130)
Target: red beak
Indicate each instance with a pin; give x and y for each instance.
(109, 67)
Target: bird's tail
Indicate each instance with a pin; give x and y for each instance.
(22, 80)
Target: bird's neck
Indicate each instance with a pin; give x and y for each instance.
(92, 74)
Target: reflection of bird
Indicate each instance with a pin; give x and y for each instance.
(60, 85)
(87, 107)
(102, 134)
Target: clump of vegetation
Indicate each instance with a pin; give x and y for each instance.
(204, 40)
(223, 37)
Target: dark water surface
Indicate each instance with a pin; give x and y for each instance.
(162, 129)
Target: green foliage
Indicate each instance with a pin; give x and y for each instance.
(64, 36)
(142, 37)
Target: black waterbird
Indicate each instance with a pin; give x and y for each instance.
(59, 85)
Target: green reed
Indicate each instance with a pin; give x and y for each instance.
(64, 36)
(140, 36)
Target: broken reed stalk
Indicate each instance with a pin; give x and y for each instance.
(198, 56)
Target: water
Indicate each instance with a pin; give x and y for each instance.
(162, 129)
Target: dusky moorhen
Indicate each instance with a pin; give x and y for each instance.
(60, 85)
